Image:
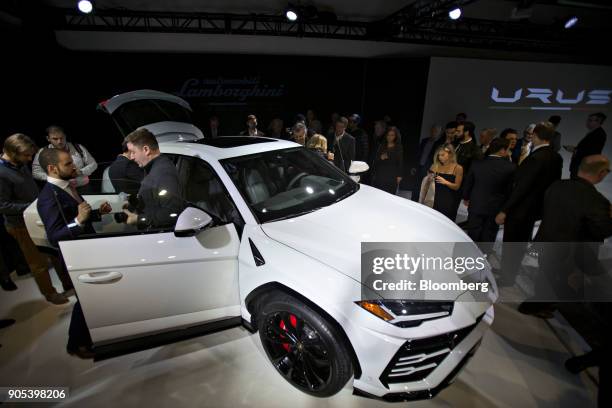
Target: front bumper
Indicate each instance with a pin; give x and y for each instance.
(402, 369)
(427, 393)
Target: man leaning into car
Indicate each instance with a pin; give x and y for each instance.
(159, 194)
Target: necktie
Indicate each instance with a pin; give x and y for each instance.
(74, 193)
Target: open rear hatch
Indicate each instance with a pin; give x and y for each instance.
(167, 116)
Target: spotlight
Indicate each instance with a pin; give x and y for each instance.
(85, 6)
(291, 13)
(571, 22)
(455, 13)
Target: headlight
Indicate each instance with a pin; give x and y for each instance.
(407, 313)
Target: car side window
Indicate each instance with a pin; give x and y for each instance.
(203, 188)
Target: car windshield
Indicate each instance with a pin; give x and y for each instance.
(286, 183)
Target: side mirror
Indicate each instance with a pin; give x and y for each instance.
(191, 221)
(358, 167)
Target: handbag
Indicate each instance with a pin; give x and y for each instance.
(428, 191)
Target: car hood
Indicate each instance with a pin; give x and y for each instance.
(333, 234)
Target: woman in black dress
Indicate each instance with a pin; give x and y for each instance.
(388, 162)
(448, 176)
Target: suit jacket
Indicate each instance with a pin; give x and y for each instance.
(344, 152)
(537, 172)
(574, 211)
(555, 143)
(467, 153)
(488, 185)
(516, 152)
(429, 159)
(257, 133)
(592, 143)
(58, 210)
(125, 175)
(362, 144)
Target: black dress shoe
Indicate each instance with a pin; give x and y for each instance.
(84, 352)
(6, 323)
(8, 284)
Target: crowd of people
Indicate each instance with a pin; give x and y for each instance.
(65, 215)
(344, 141)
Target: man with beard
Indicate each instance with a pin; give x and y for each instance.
(83, 160)
(251, 129)
(466, 148)
(65, 216)
(17, 191)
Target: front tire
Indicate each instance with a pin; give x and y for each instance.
(303, 346)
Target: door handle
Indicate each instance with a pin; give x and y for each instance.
(100, 277)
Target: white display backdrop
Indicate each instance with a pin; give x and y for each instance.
(503, 94)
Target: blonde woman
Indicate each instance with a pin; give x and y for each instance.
(318, 144)
(447, 175)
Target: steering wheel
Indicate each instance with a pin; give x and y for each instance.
(295, 179)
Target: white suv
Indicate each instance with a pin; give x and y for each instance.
(271, 238)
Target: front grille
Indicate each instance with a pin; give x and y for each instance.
(416, 359)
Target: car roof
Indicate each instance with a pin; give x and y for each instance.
(225, 147)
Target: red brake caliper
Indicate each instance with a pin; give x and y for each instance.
(293, 322)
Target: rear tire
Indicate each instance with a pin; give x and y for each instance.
(302, 345)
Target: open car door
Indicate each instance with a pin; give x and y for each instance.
(134, 284)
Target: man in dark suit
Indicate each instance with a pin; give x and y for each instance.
(577, 218)
(523, 145)
(124, 173)
(342, 146)
(524, 207)
(574, 213)
(466, 148)
(213, 128)
(362, 145)
(486, 188)
(592, 143)
(65, 216)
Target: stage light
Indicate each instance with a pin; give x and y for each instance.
(85, 6)
(455, 13)
(291, 13)
(571, 22)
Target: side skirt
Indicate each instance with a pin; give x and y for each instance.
(144, 343)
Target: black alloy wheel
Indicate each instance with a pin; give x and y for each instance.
(303, 346)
